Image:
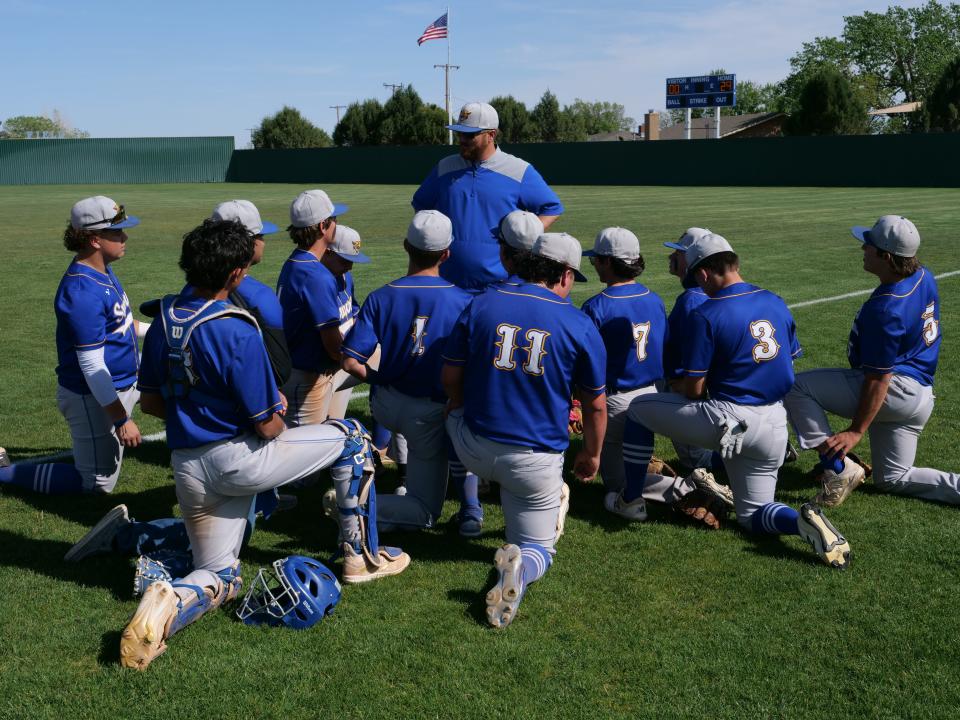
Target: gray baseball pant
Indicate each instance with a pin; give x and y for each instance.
(893, 433)
(530, 481)
(97, 453)
(752, 472)
(420, 421)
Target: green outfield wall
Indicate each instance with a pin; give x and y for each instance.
(867, 161)
(115, 160)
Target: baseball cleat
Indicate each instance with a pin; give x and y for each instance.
(825, 539)
(99, 538)
(357, 567)
(637, 510)
(4, 458)
(705, 480)
(791, 454)
(143, 639)
(504, 598)
(470, 522)
(564, 509)
(837, 488)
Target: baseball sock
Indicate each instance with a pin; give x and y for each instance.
(46, 478)
(637, 451)
(536, 561)
(466, 486)
(776, 519)
(835, 463)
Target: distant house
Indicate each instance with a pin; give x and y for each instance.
(731, 126)
(619, 135)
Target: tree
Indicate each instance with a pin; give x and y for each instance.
(289, 129)
(546, 118)
(601, 117)
(39, 126)
(828, 105)
(515, 124)
(573, 126)
(941, 111)
(360, 124)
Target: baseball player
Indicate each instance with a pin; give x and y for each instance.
(476, 189)
(206, 372)
(98, 357)
(888, 390)
(315, 303)
(410, 318)
(512, 361)
(740, 348)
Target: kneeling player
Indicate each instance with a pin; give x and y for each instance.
(740, 348)
(512, 361)
(205, 370)
(410, 318)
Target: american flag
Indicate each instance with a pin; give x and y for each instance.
(437, 30)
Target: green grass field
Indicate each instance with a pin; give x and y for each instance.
(654, 620)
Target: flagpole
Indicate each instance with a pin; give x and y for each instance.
(447, 83)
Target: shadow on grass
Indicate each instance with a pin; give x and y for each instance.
(45, 557)
(474, 600)
(150, 453)
(109, 654)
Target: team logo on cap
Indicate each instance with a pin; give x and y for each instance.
(356, 247)
(464, 114)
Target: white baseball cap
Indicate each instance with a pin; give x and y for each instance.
(346, 244)
(476, 117)
(312, 207)
(615, 242)
(248, 215)
(705, 246)
(562, 248)
(100, 213)
(891, 233)
(520, 229)
(689, 235)
(430, 230)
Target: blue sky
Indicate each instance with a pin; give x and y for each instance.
(214, 68)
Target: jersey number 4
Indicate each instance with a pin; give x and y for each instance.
(766, 348)
(418, 331)
(535, 349)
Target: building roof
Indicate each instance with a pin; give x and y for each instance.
(614, 136)
(897, 109)
(729, 125)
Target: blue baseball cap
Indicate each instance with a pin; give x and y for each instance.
(100, 213)
(687, 239)
(346, 244)
(891, 233)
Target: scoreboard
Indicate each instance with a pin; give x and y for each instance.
(703, 91)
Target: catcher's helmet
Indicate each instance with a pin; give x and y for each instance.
(297, 594)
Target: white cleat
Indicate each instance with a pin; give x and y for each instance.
(143, 639)
(837, 488)
(504, 598)
(826, 540)
(99, 538)
(637, 510)
(358, 568)
(705, 480)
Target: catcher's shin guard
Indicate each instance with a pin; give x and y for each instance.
(160, 565)
(361, 495)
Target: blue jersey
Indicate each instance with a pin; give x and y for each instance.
(312, 298)
(744, 340)
(633, 324)
(523, 350)
(898, 329)
(262, 298)
(476, 196)
(93, 311)
(685, 303)
(229, 362)
(410, 318)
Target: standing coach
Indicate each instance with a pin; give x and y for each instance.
(476, 189)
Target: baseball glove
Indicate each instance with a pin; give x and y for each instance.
(660, 467)
(575, 421)
(702, 507)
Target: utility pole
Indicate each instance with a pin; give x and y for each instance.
(447, 67)
(338, 108)
(393, 87)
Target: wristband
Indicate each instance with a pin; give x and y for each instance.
(120, 423)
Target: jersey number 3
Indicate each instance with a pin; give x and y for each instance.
(535, 349)
(766, 347)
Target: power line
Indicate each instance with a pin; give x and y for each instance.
(338, 108)
(393, 87)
